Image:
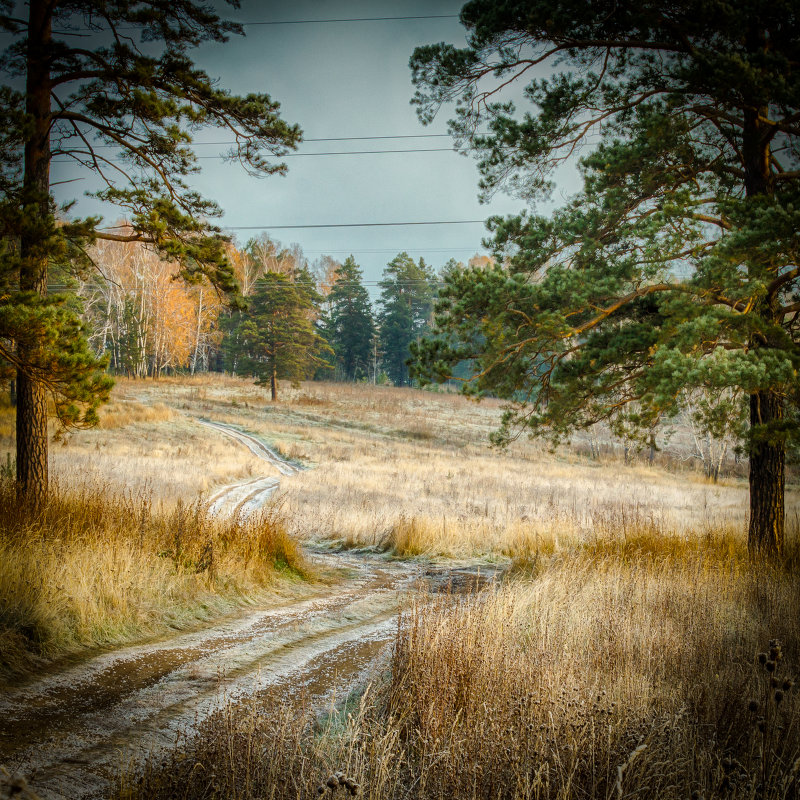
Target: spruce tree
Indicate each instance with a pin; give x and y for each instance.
(676, 267)
(111, 87)
(349, 325)
(407, 294)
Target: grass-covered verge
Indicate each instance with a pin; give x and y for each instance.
(631, 668)
(94, 568)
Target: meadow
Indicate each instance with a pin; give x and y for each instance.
(413, 471)
(605, 672)
(124, 549)
(633, 649)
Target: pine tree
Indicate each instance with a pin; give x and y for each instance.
(407, 295)
(676, 267)
(349, 327)
(84, 95)
(275, 337)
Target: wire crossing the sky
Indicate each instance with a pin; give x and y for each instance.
(267, 23)
(355, 224)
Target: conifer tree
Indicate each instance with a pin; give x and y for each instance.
(349, 325)
(111, 87)
(275, 337)
(676, 267)
(407, 295)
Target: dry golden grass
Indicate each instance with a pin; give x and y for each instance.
(625, 669)
(618, 661)
(140, 448)
(118, 414)
(96, 567)
(390, 464)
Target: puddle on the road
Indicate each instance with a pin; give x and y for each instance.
(461, 580)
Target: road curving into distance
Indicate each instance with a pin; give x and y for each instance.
(72, 730)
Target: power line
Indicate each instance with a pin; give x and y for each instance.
(356, 152)
(377, 250)
(260, 281)
(262, 23)
(288, 155)
(350, 19)
(334, 225)
(323, 139)
(354, 225)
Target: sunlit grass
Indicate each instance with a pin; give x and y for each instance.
(625, 667)
(96, 567)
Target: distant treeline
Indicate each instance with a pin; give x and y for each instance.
(299, 320)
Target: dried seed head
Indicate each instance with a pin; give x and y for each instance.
(333, 782)
(787, 685)
(770, 666)
(778, 696)
(18, 785)
(762, 726)
(753, 706)
(762, 658)
(342, 779)
(353, 789)
(320, 789)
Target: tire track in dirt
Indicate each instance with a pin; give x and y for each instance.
(72, 731)
(68, 731)
(246, 497)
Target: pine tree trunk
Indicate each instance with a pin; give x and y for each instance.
(273, 384)
(767, 457)
(31, 397)
(31, 441)
(767, 479)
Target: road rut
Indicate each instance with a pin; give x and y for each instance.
(71, 731)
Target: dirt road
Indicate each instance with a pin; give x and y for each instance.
(245, 497)
(71, 731)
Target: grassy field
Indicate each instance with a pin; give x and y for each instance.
(633, 651)
(124, 550)
(413, 470)
(662, 670)
(95, 568)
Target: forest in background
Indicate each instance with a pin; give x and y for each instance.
(299, 319)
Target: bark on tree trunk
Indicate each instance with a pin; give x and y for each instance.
(273, 384)
(31, 426)
(198, 332)
(767, 479)
(31, 441)
(767, 457)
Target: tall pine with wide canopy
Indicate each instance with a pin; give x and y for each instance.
(109, 86)
(676, 267)
(275, 338)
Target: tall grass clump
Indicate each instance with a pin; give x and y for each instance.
(612, 674)
(620, 670)
(97, 568)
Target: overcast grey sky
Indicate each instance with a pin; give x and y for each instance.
(343, 80)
